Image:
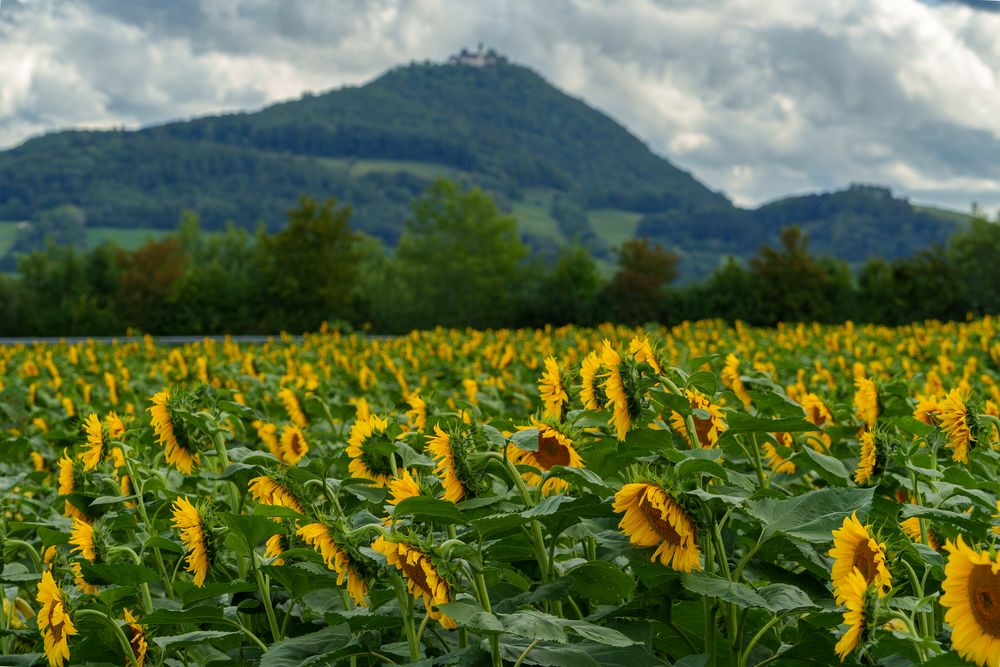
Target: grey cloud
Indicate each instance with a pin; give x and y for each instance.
(758, 100)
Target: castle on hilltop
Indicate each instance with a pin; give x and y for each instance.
(479, 58)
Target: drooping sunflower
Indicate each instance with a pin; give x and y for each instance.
(266, 491)
(268, 434)
(54, 621)
(293, 445)
(293, 408)
(276, 545)
(136, 637)
(624, 407)
(178, 450)
(857, 597)
(195, 537)
(423, 578)
(403, 487)
(642, 351)
(81, 581)
(82, 539)
(318, 536)
(731, 378)
(370, 449)
(867, 458)
(591, 394)
(417, 412)
(552, 389)
(707, 429)
(92, 456)
(654, 519)
(972, 597)
(439, 446)
(928, 409)
(956, 421)
(555, 448)
(855, 548)
(67, 484)
(866, 401)
(817, 413)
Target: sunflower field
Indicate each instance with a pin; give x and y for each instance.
(702, 495)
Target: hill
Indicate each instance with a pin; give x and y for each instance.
(566, 170)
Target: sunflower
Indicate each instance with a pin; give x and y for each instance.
(173, 437)
(371, 450)
(293, 445)
(555, 448)
(266, 491)
(591, 393)
(114, 426)
(623, 406)
(136, 637)
(956, 425)
(440, 446)
(403, 487)
(707, 429)
(424, 580)
(81, 582)
(654, 519)
(67, 484)
(268, 435)
(866, 400)
(867, 459)
(854, 548)
(927, 410)
(189, 521)
(854, 596)
(775, 460)
(552, 389)
(731, 378)
(82, 539)
(92, 456)
(418, 411)
(642, 351)
(276, 545)
(972, 597)
(293, 408)
(317, 535)
(54, 621)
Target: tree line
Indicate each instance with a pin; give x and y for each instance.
(461, 262)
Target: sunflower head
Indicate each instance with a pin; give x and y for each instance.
(454, 451)
(371, 447)
(733, 380)
(200, 535)
(591, 394)
(959, 421)
(180, 441)
(552, 389)
(875, 450)
(90, 540)
(856, 549)
(654, 518)
(971, 595)
(341, 555)
(626, 382)
(552, 447)
(428, 576)
(866, 401)
(862, 600)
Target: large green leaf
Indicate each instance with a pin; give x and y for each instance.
(740, 422)
(601, 582)
(430, 509)
(315, 648)
(714, 586)
(812, 516)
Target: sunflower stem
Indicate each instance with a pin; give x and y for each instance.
(536, 527)
(708, 606)
(32, 552)
(406, 607)
(122, 639)
(745, 656)
(463, 638)
(146, 597)
(265, 594)
(757, 465)
(484, 601)
(219, 439)
(731, 622)
(138, 486)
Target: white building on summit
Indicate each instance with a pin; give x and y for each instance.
(479, 58)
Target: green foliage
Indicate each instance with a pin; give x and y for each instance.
(459, 258)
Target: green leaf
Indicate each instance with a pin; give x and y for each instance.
(963, 521)
(191, 616)
(315, 648)
(109, 500)
(119, 574)
(533, 625)
(812, 516)
(470, 615)
(714, 586)
(430, 509)
(601, 582)
(190, 638)
(599, 634)
(690, 468)
(162, 543)
(829, 468)
(785, 597)
(704, 381)
(526, 439)
(252, 528)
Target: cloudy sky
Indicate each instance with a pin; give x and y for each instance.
(757, 98)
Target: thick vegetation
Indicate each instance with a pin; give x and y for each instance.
(706, 495)
(460, 263)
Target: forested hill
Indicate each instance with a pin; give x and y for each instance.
(564, 169)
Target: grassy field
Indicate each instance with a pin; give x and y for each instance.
(125, 238)
(7, 230)
(614, 225)
(358, 168)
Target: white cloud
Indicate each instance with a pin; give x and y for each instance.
(757, 99)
